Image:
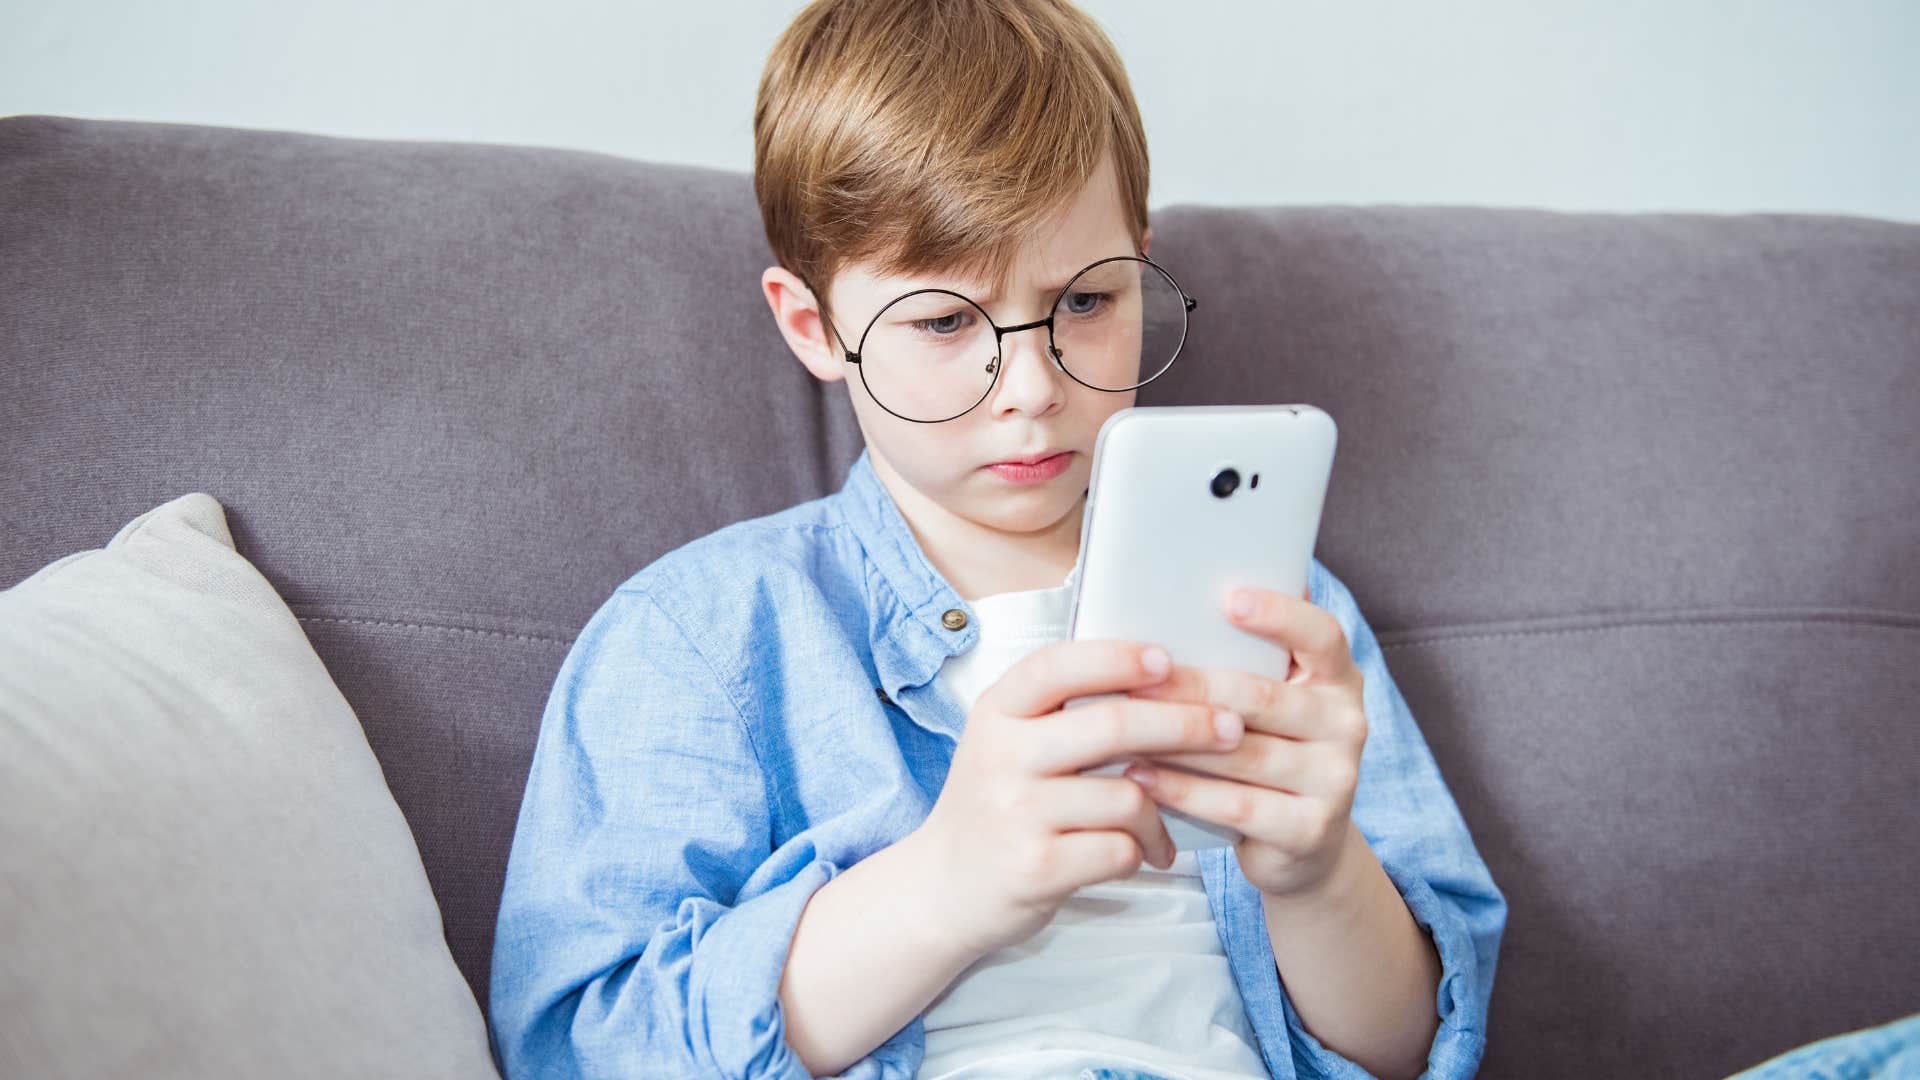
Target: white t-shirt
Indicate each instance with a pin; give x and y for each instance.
(1129, 973)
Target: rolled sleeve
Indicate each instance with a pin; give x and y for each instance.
(646, 917)
(1403, 808)
(741, 959)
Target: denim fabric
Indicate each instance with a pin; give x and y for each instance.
(1890, 1051)
(1105, 1073)
(756, 711)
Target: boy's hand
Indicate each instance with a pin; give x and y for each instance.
(1289, 785)
(1016, 829)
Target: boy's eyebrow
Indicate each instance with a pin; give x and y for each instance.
(984, 297)
(1038, 290)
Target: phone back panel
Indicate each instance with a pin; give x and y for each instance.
(1160, 553)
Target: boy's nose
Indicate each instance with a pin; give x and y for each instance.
(1029, 379)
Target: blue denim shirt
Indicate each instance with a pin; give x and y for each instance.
(716, 747)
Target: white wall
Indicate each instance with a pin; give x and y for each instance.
(1717, 105)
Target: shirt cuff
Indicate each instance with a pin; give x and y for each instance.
(1461, 1039)
(734, 1002)
(736, 998)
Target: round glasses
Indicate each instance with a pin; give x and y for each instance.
(933, 354)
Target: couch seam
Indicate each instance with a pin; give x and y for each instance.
(564, 642)
(1717, 621)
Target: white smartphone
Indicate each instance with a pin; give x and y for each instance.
(1187, 502)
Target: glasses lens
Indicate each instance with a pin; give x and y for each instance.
(929, 355)
(1119, 323)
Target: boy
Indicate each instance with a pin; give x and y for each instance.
(805, 800)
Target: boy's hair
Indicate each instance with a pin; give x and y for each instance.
(933, 135)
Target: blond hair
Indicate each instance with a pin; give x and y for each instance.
(926, 135)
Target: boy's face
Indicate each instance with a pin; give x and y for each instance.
(939, 472)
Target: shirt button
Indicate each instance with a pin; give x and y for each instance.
(954, 619)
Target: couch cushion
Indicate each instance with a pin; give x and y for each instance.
(450, 396)
(201, 869)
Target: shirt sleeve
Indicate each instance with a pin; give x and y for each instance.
(646, 916)
(1403, 808)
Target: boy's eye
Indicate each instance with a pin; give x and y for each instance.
(941, 326)
(1082, 303)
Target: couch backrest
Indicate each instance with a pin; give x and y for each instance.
(1629, 500)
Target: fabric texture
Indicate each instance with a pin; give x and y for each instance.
(1889, 1051)
(1130, 972)
(757, 711)
(202, 873)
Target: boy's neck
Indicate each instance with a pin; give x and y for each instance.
(978, 560)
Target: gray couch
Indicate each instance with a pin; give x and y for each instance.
(1630, 500)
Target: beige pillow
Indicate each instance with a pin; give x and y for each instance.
(202, 873)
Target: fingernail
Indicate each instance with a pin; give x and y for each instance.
(1228, 724)
(1155, 660)
(1242, 603)
(1141, 774)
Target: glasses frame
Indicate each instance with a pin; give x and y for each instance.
(1000, 332)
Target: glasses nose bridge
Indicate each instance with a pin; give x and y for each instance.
(1000, 333)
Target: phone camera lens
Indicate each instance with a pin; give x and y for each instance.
(1224, 482)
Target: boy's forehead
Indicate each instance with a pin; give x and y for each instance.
(1093, 225)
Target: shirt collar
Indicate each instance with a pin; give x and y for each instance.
(911, 635)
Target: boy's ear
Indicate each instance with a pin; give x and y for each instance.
(1146, 239)
(797, 314)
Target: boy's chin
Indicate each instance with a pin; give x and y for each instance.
(1028, 509)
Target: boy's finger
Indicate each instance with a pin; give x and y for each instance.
(1094, 735)
(1303, 628)
(1268, 705)
(1049, 676)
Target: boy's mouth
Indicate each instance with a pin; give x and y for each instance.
(1031, 459)
(1037, 470)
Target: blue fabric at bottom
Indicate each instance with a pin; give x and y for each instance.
(1107, 1073)
(1888, 1052)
